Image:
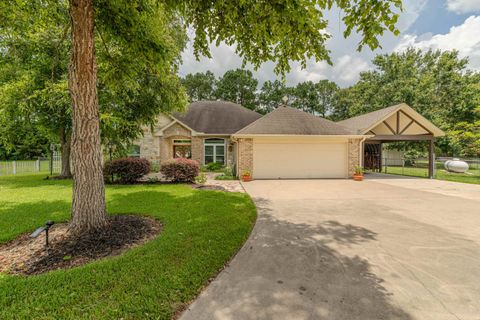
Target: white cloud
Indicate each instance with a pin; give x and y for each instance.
(464, 38)
(348, 68)
(463, 6)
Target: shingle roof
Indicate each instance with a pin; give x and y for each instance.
(286, 120)
(218, 117)
(365, 121)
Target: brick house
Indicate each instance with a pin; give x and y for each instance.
(285, 143)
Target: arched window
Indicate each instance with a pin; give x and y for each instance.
(214, 150)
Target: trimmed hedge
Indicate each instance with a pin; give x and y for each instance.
(180, 170)
(126, 170)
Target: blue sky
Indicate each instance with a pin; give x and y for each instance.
(425, 24)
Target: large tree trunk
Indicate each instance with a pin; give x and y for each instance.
(88, 206)
(65, 140)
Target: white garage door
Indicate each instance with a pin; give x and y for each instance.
(299, 160)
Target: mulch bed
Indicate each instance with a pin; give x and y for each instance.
(208, 187)
(28, 256)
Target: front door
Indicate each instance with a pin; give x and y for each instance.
(182, 151)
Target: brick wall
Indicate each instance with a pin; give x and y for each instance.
(177, 130)
(245, 156)
(149, 143)
(149, 146)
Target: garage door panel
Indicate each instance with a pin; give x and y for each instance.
(292, 160)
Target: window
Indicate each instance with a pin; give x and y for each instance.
(182, 141)
(134, 151)
(182, 148)
(214, 150)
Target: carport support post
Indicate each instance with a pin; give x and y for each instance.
(431, 158)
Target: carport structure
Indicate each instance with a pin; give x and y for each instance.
(393, 124)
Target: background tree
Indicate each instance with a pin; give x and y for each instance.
(326, 91)
(465, 139)
(238, 86)
(200, 86)
(33, 67)
(271, 95)
(342, 101)
(306, 97)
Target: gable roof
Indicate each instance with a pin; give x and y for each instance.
(216, 117)
(365, 122)
(286, 120)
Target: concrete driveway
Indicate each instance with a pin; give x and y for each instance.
(384, 248)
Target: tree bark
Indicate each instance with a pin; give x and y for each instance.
(65, 140)
(88, 205)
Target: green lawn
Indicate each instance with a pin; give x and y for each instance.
(202, 230)
(473, 175)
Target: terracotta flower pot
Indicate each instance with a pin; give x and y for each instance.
(358, 177)
(247, 178)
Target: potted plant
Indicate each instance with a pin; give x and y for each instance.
(246, 176)
(358, 175)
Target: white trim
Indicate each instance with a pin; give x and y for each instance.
(212, 135)
(435, 131)
(181, 143)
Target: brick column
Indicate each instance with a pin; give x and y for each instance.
(165, 147)
(197, 149)
(353, 155)
(245, 156)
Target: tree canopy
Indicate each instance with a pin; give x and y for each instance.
(200, 86)
(238, 86)
(134, 84)
(285, 30)
(271, 95)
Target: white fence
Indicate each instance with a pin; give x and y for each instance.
(31, 166)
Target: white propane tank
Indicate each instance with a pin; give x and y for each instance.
(456, 165)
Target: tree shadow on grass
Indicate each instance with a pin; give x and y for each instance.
(31, 181)
(290, 270)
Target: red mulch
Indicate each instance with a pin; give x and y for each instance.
(28, 256)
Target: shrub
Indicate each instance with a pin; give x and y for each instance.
(155, 166)
(228, 171)
(126, 170)
(201, 178)
(214, 166)
(411, 157)
(180, 170)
